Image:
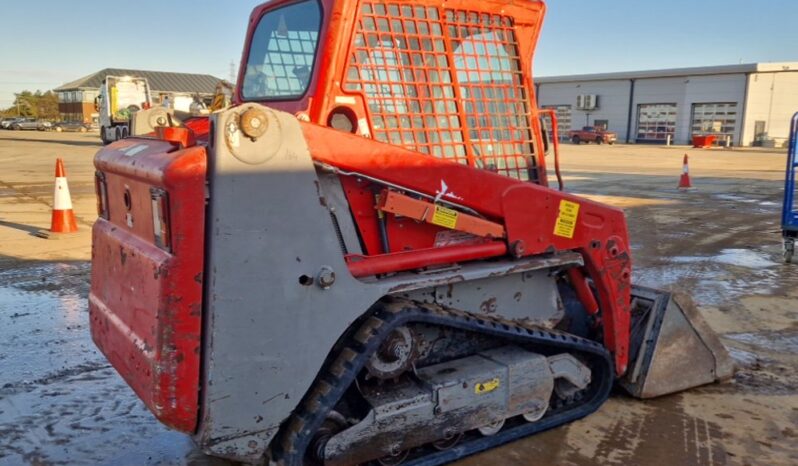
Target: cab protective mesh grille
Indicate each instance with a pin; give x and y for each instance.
(443, 82)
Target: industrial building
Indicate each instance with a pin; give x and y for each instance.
(76, 98)
(742, 105)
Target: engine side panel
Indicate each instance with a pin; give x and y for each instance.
(529, 297)
(145, 300)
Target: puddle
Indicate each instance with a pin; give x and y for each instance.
(737, 257)
(718, 279)
(44, 317)
(743, 358)
(745, 200)
(780, 342)
(60, 400)
(744, 258)
(735, 198)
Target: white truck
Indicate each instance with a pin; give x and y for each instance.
(119, 97)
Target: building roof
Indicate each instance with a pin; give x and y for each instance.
(674, 72)
(160, 81)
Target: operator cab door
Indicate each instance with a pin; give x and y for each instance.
(281, 55)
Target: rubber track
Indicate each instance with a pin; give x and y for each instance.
(331, 384)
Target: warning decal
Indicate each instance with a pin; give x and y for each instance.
(444, 217)
(566, 220)
(486, 387)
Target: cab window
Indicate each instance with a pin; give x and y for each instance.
(282, 52)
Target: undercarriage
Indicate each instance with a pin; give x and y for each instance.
(467, 383)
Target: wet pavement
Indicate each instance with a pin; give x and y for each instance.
(720, 244)
(61, 403)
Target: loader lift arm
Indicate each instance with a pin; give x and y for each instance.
(532, 215)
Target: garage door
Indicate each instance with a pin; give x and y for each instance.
(718, 119)
(563, 119)
(655, 122)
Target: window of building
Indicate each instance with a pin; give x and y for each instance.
(760, 134)
(718, 119)
(655, 122)
(602, 124)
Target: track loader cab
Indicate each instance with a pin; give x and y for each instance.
(361, 259)
(445, 81)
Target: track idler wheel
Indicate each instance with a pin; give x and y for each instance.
(334, 423)
(491, 429)
(537, 414)
(395, 356)
(449, 440)
(394, 460)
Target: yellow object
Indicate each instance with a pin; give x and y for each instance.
(222, 97)
(486, 387)
(114, 99)
(566, 220)
(444, 217)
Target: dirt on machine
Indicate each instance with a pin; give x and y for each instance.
(362, 260)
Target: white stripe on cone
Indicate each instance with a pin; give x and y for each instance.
(61, 199)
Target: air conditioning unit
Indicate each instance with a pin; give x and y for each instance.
(587, 102)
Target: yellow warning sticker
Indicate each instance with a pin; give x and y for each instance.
(486, 387)
(444, 217)
(566, 220)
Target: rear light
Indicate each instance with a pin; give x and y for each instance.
(101, 190)
(160, 218)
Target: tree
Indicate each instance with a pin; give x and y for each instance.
(48, 106)
(35, 105)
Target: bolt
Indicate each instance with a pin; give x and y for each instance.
(325, 277)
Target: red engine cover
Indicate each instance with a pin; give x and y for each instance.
(145, 302)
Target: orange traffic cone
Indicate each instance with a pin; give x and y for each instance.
(684, 181)
(63, 219)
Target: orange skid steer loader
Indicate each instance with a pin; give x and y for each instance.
(362, 261)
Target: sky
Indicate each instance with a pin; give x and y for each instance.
(50, 42)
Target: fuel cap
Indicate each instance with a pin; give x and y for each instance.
(254, 123)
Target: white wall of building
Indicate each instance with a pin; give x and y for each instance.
(613, 102)
(662, 91)
(772, 98)
(728, 88)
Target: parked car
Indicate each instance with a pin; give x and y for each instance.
(592, 134)
(30, 123)
(5, 123)
(71, 126)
